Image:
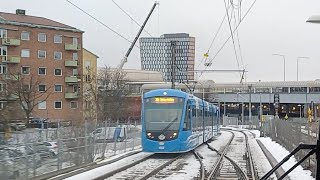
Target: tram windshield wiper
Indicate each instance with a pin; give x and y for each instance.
(170, 124)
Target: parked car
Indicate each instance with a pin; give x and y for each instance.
(17, 126)
(40, 149)
(110, 134)
(53, 147)
(13, 162)
(38, 122)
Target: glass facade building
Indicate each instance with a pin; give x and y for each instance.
(156, 55)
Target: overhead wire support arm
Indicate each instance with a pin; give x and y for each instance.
(124, 60)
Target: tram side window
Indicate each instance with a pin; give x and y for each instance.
(194, 118)
(187, 120)
(200, 119)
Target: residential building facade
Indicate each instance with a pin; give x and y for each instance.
(89, 85)
(156, 55)
(48, 53)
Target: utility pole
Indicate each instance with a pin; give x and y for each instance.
(173, 64)
(250, 113)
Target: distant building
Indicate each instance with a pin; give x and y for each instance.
(156, 55)
(43, 49)
(89, 84)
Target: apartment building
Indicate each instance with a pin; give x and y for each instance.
(156, 55)
(37, 49)
(89, 85)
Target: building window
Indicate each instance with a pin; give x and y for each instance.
(57, 88)
(42, 37)
(42, 71)
(58, 55)
(42, 88)
(3, 69)
(2, 104)
(57, 39)
(88, 78)
(42, 105)
(73, 104)
(3, 33)
(58, 72)
(25, 35)
(75, 56)
(42, 54)
(74, 40)
(25, 70)
(58, 105)
(75, 72)
(25, 53)
(88, 105)
(3, 51)
(87, 64)
(3, 87)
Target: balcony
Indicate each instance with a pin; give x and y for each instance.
(11, 77)
(72, 47)
(11, 42)
(71, 95)
(11, 59)
(71, 63)
(72, 79)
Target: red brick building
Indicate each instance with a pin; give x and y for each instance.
(46, 50)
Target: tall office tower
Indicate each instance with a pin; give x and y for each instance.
(156, 55)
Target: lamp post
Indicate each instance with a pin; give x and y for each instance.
(316, 19)
(299, 58)
(284, 65)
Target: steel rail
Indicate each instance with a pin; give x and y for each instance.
(159, 168)
(202, 171)
(215, 169)
(145, 176)
(251, 166)
(109, 174)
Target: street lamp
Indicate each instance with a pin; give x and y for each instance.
(284, 65)
(314, 19)
(299, 58)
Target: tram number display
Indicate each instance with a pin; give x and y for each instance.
(166, 100)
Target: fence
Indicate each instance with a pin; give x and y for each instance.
(33, 152)
(235, 121)
(291, 133)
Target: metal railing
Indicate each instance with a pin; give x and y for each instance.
(24, 154)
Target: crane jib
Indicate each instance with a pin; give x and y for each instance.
(138, 35)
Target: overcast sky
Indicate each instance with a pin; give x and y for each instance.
(272, 26)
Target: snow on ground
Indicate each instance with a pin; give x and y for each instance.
(94, 173)
(188, 167)
(279, 152)
(260, 160)
(185, 168)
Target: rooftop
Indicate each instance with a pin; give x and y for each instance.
(33, 21)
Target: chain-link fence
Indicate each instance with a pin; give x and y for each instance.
(291, 133)
(33, 152)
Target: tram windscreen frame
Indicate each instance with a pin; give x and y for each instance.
(163, 113)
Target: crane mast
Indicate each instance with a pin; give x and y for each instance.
(124, 60)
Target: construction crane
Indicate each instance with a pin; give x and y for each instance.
(125, 59)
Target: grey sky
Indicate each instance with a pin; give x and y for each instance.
(272, 26)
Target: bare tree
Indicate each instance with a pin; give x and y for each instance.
(26, 90)
(113, 91)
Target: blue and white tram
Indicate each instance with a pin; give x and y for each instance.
(174, 121)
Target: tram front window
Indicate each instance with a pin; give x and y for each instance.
(163, 113)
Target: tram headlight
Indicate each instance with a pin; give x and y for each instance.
(174, 134)
(149, 134)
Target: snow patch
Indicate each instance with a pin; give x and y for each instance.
(279, 152)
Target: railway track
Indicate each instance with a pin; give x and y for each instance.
(143, 168)
(235, 161)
